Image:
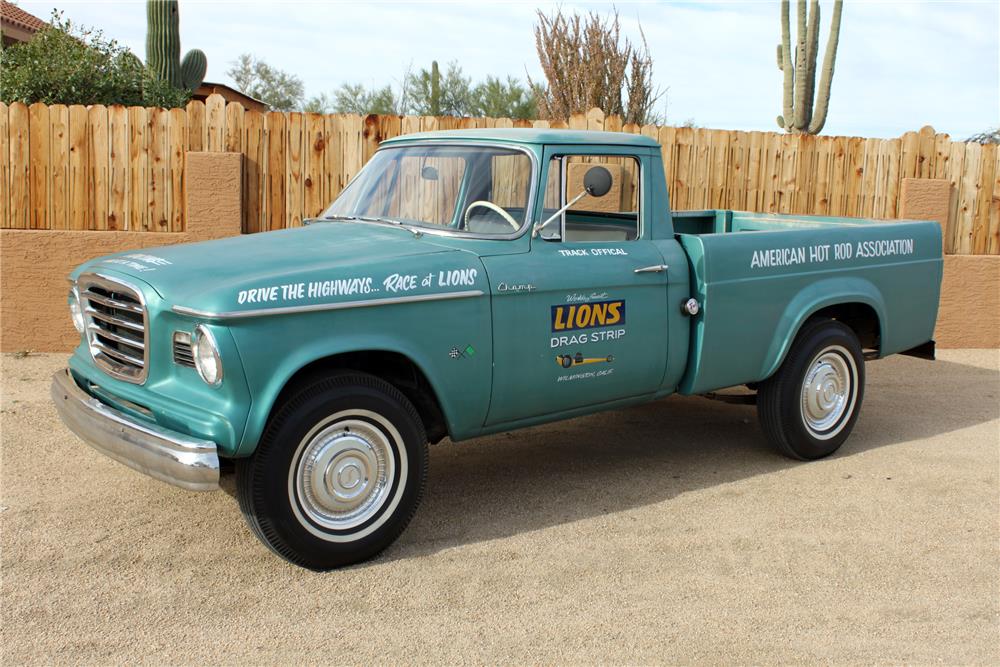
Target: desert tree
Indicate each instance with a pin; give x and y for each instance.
(280, 90)
(587, 63)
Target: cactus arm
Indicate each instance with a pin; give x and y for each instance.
(812, 47)
(829, 60)
(801, 70)
(786, 67)
(193, 69)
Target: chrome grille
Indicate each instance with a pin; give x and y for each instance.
(182, 349)
(117, 329)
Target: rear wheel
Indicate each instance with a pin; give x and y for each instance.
(810, 405)
(338, 474)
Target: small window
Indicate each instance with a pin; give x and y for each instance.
(613, 217)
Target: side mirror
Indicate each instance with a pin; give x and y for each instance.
(597, 181)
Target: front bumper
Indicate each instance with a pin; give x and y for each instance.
(169, 456)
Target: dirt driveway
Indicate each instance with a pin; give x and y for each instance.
(664, 533)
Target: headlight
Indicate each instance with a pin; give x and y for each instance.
(206, 356)
(75, 310)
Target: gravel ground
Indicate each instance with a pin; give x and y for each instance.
(664, 533)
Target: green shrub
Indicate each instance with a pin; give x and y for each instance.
(66, 64)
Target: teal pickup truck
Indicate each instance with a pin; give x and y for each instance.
(466, 283)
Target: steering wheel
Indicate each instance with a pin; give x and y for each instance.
(493, 207)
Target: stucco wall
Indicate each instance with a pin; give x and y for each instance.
(969, 314)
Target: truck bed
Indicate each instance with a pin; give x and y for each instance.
(760, 276)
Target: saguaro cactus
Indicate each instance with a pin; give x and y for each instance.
(435, 89)
(163, 47)
(804, 106)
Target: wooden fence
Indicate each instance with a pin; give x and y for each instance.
(117, 168)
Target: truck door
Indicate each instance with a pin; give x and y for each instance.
(581, 319)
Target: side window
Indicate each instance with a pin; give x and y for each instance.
(612, 217)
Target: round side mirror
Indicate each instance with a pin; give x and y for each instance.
(597, 181)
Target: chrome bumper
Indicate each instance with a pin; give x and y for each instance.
(167, 455)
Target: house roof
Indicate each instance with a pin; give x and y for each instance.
(230, 94)
(14, 15)
(534, 136)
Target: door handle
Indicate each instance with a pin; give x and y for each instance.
(656, 268)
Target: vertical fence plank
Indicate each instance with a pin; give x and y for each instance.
(682, 169)
(822, 180)
(293, 148)
(909, 167)
(40, 182)
(158, 190)
(98, 160)
(177, 141)
(253, 171)
(59, 152)
(805, 175)
(926, 152)
(20, 166)
(736, 186)
(719, 169)
(351, 130)
(892, 181)
(967, 195)
(79, 169)
(771, 173)
(942, 156)
(233, 141)
(215, 123)
(869, 180)
(118, 171)
(993, 224)
(138, 164)
(197, 129)
(986, 177)
(276, 182)
(370, 138)
(313, 165)
(333, 181)
(839, 167)
(5, 185)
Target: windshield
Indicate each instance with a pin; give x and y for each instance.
(474, 189)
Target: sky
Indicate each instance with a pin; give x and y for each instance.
(900, 64)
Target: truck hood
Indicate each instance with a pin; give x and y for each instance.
(251, 271)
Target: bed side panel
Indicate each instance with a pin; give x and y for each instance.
(757, 288)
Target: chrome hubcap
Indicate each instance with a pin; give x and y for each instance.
(827, 391)
(344, 474)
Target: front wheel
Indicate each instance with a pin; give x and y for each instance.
(809, 406)
(338, 473)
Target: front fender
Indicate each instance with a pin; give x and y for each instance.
(812, 299)
(275, 349)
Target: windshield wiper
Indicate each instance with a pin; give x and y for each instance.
(377, 220)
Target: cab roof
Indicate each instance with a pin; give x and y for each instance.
(531, 135)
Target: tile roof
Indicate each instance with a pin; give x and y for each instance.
(16, 16)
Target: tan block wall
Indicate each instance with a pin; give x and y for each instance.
(34, 264)
(969, 314)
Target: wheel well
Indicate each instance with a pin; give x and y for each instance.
(860, 317)
(396, 369)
